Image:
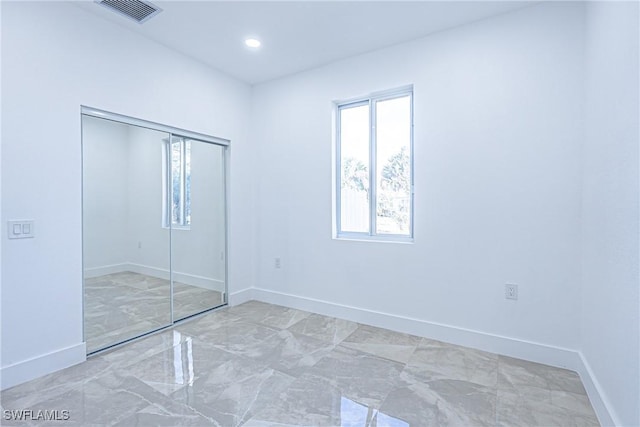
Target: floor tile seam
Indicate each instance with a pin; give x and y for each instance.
(573, 412)
(185, 328)
(503, 359)
(300, 334)
(342, 345)
(272, 399)
(285, 373)
(421, 378)
(497, 417)
(66, 386)
(352, 332)
(269, 336)
(246, 359)
(557, 411)
(573, 393)
(370, 331)
(198, 322)
(506, 377)
(259, 387)
(310, 335)
(411, 355)
(307, 314)
(46, 378)
(313, 375)
(303, 370)
(191, 409)
(550, 389)
(381, 344)
(588, 407)
(384, 399)
(17, 403)
(117, 365)
(333, 341)
(265, 325)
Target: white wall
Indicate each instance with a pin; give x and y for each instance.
(123, 207)
(105, 209)
(502, 192)
(498, 107)
(56, 57)
(144, 221)
(610, 295)
(195, 252)
(198, 251)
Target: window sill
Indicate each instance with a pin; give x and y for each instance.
(177, 227)
(374, 239)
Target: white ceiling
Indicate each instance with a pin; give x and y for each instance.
(295, 35)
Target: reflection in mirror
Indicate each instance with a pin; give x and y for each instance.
(154, 227)
(126, 249)
(196, 209)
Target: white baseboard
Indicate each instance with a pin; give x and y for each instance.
(30, 369)
(199, 281)
(160, 273)
(507, 346)
(190, 279)
(536, 352)
(241, 296)
(601, 404)
(104, 270)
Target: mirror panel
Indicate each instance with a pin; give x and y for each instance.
(198, 237)
(154, 226)
(126, 248)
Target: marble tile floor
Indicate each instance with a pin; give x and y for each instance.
(124, 305)
(259, 364)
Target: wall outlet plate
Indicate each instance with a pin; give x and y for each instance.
(511, 291)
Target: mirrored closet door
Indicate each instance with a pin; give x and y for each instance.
(154, 226)
(198, 226)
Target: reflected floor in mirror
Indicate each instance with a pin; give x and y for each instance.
(123, 305)
(259, 364)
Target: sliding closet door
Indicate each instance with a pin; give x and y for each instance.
(198, 226)
(126, 238)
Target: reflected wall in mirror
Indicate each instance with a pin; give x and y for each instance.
(126, 282)
(154, 229)
(198, 226)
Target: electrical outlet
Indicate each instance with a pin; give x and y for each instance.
(511, 291)
(276, 263)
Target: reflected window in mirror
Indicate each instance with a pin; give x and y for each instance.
(177, 177)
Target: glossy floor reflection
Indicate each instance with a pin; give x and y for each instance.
(121, 306)
(258, 364)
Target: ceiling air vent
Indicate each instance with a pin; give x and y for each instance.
(138, 10)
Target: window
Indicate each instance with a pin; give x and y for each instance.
(177, 197)
(374, 172)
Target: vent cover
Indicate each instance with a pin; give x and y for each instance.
(138, 10)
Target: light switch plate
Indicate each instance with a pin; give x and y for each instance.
(21, 229)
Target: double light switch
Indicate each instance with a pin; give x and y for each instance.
(22, 229)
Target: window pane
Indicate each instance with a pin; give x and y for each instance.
(187, 184)
(354, 174)
(176, 157)
(393, 174)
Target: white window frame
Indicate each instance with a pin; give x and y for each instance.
(167, 217)
(371, 101)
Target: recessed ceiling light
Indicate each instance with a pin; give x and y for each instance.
(252, 43)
